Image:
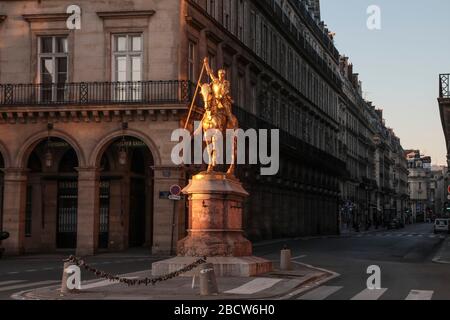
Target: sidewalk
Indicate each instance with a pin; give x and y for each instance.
(269, 286)
(443, 255)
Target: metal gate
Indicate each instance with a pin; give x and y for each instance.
(103, 235)
(66, 235)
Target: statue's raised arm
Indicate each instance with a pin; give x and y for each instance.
(208, 70)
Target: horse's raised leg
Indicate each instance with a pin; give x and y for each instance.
(210, 150)
(233, 156)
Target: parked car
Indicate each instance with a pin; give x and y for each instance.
(441, 225)
(394, 224)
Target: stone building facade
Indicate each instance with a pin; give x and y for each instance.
(419, 184)
(374, 190)
(87, 115)
(439, 192)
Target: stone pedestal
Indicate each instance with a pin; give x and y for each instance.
(215, 221)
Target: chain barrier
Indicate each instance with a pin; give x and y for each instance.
(133, 282)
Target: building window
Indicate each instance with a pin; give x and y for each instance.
(283, 60)
(274, 51)
(212, 60)
(241, 90)
(241, 13)
(227, 14)
(253, 30)
(211, 7)
(53, 67)
(253, 93)
(192, 55)
(127, 66)
(264, 42)
(28, 211)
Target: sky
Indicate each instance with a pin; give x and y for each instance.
(399, 64)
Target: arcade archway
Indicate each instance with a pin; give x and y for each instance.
(126, 194)
(51, 196)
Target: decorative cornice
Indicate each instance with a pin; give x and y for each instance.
(195, 23)
(126, 14)
(2, 18)
(242, 59)
(229, 48)
(254, 68)
(92, 114)
(213, 37)
(46, 17)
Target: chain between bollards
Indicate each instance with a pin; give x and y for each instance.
(72, 260)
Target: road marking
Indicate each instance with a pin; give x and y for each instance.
(320, 293)
(48, 269)
(31, 284)
(255, 286)
(410, 235)
(31, 270)
(368, 294)
(420, 295)
(4, 283)
(103, 283)
(298, 257)
(13, 272)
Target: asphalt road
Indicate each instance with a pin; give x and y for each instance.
(404, 257)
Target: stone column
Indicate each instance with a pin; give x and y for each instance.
(14, 203)
(50, 214)
(88, 211)
(33, 241)
(116, 217)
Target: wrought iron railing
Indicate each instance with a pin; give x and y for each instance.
(85, 93)
(444, 86)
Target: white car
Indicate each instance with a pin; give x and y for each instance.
(441, 225)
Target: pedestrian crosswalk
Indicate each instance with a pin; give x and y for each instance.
(12, 285)
(328, 292)
(400, 234)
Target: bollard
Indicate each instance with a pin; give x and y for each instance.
(285, 259)
(66, 276)
(208, 283)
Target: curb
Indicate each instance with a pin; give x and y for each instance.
(437, 257)
(305, 287)
(317, 278)
(335, 236)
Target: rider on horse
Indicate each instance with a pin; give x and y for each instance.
(221, 90)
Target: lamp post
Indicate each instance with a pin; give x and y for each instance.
(48, 156)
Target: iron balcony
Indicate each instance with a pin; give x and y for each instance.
(96, 93)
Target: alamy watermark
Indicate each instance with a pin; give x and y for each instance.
(374, 19)
(250, 147)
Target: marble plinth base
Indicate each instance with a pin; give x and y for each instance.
(223, 266)
(215, 230)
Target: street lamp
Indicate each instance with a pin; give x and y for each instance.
(48, 156)
(123, 153)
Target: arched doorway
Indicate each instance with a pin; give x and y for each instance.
(126, 194)
(52, 196)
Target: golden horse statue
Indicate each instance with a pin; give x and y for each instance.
(215, 120)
